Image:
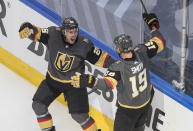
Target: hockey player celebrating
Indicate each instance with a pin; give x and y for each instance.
(131, 77)
(67, 52)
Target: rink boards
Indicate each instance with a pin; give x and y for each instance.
(171, 111)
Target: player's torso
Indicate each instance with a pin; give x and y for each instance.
(134, 88)
(65, 60)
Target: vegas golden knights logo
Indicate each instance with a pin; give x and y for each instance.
(64, 62)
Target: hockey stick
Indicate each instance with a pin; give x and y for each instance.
(143, 6)
(92, 90)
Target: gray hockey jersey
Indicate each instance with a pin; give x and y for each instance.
(131, 76)
(65, 59)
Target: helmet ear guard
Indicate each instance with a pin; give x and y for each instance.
(123, 43)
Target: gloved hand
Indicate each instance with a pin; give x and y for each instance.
(27, 30)
(151, 20)
(83, 80)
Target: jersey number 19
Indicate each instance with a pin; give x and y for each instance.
(142, 79)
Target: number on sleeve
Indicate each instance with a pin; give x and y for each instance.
(97, 51)
(45, 30)
(150, 45)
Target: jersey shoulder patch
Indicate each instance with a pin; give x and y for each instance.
(85, 40)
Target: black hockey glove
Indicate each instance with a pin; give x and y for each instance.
(151, 20)
(27, 30)
(83, 80)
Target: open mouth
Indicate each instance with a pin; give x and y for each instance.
(72, 39)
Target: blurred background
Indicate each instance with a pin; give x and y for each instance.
(104, 19)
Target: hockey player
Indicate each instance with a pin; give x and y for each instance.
(67, 52)
(131, 77)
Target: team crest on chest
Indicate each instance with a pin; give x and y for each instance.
(63, 62)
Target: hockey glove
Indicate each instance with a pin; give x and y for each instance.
(27, 30)
(84, 80)
(151, 20)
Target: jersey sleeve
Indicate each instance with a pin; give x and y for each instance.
(156, 44)
(110, 80)
(44, 36)
(99, 58)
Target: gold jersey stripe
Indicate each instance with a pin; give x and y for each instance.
(111, 81)
(151, 20)
(159, 42)
(134, 107)
(101, 60)
(46, 124)
(59, 80)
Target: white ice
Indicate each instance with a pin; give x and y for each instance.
(16, 113)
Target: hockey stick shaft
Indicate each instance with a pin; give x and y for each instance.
(143, 6)
(93, 90)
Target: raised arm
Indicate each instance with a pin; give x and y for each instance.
(34, 33)
(157, 43)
